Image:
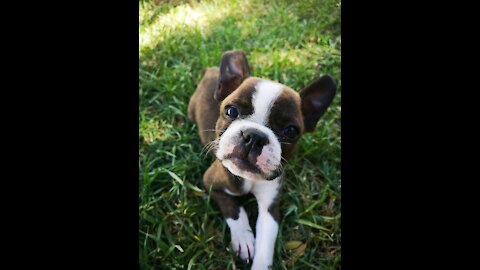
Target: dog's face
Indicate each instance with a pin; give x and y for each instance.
(260, 120)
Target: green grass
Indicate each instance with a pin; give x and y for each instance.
(180, 227)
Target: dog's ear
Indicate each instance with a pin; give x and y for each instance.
(233, 70)
(316, 97)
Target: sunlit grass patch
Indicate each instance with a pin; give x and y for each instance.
(152, 131)
(186, 18)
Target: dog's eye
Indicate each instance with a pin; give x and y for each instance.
(290, 132)
(231, 112)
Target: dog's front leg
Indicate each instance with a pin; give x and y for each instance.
(266, 193)
(216, 179)
(237, 220)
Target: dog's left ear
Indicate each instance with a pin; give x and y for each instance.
(233, 70)
(316, 97)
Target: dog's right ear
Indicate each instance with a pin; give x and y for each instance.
(316, 97)
(233, 70)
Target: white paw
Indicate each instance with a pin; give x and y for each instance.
(243, 243)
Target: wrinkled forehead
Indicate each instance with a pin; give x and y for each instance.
(259, 98)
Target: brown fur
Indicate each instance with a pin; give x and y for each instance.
(232, 85)
(240, 98)
(203, 108)
(218, 178)
(284, 113)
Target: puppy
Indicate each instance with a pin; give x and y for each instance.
(252, 125)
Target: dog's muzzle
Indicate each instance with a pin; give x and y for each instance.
(250, 150)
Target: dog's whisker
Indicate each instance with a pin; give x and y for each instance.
(208, 148)
(213, 145)
(284, 160)
(213, 130)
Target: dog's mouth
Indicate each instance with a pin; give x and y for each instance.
(250, 157)
(244, 164)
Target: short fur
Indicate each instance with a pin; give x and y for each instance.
(232, 85)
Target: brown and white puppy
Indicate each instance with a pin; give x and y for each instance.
(252, 124)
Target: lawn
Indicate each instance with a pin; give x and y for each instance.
(292, 42)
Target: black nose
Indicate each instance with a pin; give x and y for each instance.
(254, 139)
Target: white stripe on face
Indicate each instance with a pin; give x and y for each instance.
(264, 96)
(266, 92)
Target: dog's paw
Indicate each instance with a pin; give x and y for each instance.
(243, 243)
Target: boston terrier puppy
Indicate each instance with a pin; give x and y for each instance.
(252, 126)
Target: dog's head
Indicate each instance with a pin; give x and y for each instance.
(260, 120)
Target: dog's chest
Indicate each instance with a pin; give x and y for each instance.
(244, 186)
(261, 189)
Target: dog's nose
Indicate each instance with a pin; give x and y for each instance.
(254, 139)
